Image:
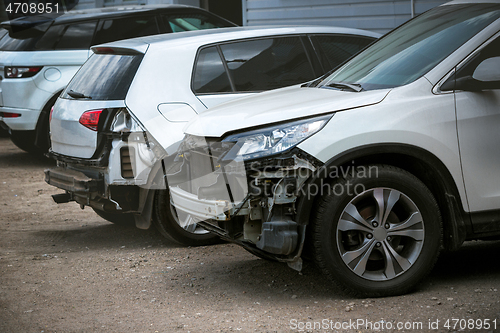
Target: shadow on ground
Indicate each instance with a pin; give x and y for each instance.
(17, 158)
(103, 236)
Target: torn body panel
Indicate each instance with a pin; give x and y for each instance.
(103, 186)
(249, 203)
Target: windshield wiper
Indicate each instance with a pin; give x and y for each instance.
(356, 87)
(76, 94)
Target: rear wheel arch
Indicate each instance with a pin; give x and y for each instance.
(42, 138)
(417, 161)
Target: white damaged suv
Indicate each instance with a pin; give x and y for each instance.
(106, 159)
(371, 170)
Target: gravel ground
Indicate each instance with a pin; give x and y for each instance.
(63, 269)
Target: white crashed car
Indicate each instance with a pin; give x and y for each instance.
(372, 169)
(104, 156)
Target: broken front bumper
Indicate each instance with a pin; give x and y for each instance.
(200, 208)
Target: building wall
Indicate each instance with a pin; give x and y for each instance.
(85, 4)
(376, 15)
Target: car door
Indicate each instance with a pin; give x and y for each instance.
(478, 123)
(236, 69)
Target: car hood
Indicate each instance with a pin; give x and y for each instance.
(277, 106)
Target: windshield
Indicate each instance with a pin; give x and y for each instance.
(412, 50)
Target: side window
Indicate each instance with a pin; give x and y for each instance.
(188, 22)
(266, 64)
(210, 75)
(334, 50)
(111, 30)
(77, 36)
(50, 38)
(8, 43)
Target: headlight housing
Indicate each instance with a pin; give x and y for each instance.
(273, 139)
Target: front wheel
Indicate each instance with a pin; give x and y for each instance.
(179, 227)
(378, 234)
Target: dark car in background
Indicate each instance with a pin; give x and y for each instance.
(40, 55)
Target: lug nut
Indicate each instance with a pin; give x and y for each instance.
(389, 238)
(369, 236)
(375, 224)
(378, 244)
(387, 226)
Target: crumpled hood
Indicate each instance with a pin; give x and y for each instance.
(276, 106)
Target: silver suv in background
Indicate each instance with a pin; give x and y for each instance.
(105, 158)
(40, 55)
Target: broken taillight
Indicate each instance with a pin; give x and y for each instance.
(90, 119)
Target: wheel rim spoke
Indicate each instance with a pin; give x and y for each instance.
(361, 265)
(417, 235)
(410, 222)
(403, 262)
(345, 225)
(383, 208)
(389, 271)
(353, 212)
(349, 256)
(187, 223)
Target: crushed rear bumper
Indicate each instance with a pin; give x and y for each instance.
(73, 181)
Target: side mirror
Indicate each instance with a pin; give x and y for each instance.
(488, 70)
(486, 76)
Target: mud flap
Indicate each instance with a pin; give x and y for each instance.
(143, 220)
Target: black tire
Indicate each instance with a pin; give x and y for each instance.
(122, 219)
(42, 139)
(4, 133)
(166, 223)
(372, 259)
(37, 141)
(24, 140)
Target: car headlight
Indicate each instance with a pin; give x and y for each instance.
(273, 139)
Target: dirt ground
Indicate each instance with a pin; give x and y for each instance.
(63, 269)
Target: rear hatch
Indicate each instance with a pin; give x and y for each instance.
(94, 94)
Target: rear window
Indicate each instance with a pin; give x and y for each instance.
(111, 30)
(105, 77)
(187, 22)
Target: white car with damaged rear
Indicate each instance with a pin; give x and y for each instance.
(105, 157)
